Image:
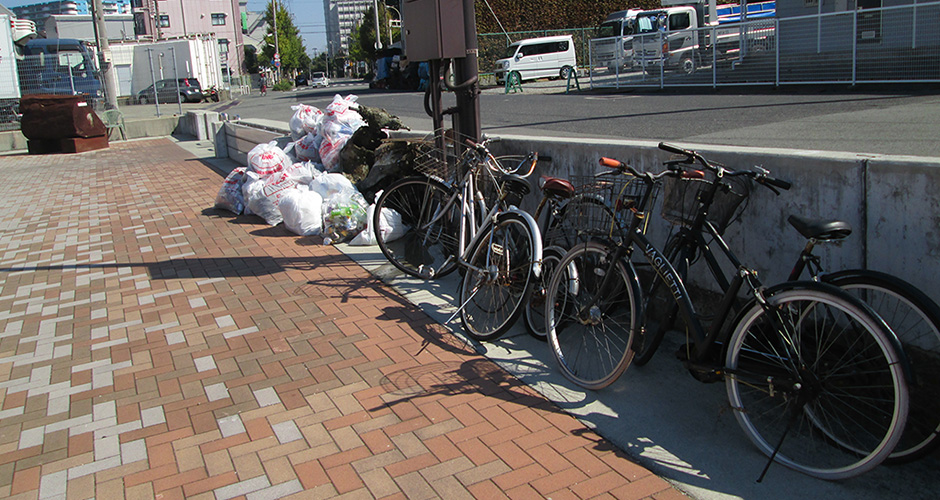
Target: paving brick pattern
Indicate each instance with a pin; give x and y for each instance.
(154, 347)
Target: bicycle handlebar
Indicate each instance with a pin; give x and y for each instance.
(761, 176)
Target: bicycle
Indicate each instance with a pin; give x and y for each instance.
(453, 223)
(812, 374)
(568, 211)
(910, 313)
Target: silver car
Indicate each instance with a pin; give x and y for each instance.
(319, 79)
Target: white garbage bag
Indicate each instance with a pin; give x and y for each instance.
(302, 211)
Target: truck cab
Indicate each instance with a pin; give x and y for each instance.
(59, 66)
(613, 46)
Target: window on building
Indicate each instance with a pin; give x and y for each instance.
(218, 19)
(223, 45)
(163, 21)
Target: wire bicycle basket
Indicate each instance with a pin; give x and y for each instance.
(600, 208)
(682, 198)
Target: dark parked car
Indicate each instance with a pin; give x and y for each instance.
(301, 80)
(188, 91)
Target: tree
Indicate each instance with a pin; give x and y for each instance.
(528, 15)
(289, 42)
(251, 59)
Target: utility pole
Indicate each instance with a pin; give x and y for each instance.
(277, 51)
(104, 54)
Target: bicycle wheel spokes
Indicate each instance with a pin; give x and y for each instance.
(428, 244)
(913, 318)
(590, 335)
(817, 368)
(494, 290)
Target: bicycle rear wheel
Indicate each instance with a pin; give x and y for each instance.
(915, 319)
(427, 247)
(494, 290)
(534, 312)
(815, 382)
(590, 338)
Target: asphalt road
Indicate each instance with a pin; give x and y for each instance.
(867, 120)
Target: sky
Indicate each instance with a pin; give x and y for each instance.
(308, 18)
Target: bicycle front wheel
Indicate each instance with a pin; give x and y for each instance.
(425, 244)
(815, 383)
(496, 286)
(915, 319)
(590, 329)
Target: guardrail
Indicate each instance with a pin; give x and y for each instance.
(886, 45)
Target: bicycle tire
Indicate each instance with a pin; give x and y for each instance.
(915, 320)
(424, 251)
(824, 394)
(595, 350)
(534, 312)
(495, 288)
(579, 220)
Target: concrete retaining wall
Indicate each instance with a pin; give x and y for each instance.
(893, 203)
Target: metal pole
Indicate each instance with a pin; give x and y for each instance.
(468, 100)
(153, 81)
(277, 50)
(104, 55)
(176, 76)
(378, 30)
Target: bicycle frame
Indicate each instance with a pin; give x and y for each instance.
(470, 203)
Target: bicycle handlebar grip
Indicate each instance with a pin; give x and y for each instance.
(610, 162)
(778, 183)
(674, 149)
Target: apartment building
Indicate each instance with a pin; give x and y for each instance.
(342, 17)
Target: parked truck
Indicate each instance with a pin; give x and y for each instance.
(684, 36)
(613, 46)
(12, 33)
(29, 65)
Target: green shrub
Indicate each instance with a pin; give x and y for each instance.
(283, 85)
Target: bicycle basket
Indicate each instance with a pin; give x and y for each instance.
(681, 200)
(600, 208)
(447, 166)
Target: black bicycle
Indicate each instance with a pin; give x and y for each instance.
(910, 313)
(814, 376)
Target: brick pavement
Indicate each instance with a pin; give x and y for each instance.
(154, 347)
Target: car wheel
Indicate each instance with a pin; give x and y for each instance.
(565, 72)
(143, 100)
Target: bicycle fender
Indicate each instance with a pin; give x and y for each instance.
(536, 240)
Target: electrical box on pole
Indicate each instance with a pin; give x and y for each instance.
(433, 29)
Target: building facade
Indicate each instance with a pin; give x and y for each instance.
(38, 12)
(342, 17)
(175, 20)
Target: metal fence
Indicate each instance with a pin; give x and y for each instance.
(886, 45)
(65, 73)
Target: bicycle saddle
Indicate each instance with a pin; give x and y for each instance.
(555, 186)
(822, 230)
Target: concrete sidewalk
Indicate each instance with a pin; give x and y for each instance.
(154, 347)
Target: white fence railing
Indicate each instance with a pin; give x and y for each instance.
(886, 45)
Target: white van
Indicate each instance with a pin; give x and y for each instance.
(547, 57)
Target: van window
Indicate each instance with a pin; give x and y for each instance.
(680, 21)
(510, 51)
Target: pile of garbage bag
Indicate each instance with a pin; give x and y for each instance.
(301, 184)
